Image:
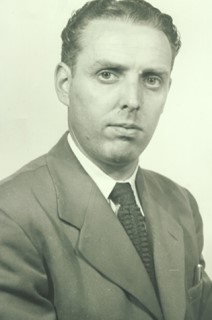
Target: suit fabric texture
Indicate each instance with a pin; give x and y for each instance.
(65, 256)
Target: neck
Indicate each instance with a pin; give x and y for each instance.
(118, 170)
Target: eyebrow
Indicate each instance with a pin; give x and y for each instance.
(159, 71)
(115, 65)
(108, 64)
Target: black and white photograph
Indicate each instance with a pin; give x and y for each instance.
(105, 160)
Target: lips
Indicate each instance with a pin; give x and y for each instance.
(127, 126)
(125, 130)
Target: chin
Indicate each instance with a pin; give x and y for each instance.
(117, 155)
(123, 158)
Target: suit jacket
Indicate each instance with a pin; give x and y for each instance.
(64, 254)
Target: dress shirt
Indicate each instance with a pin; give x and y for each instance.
(104, 182)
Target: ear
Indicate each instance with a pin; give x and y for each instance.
(63, 79)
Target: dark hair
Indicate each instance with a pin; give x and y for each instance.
(136, 11)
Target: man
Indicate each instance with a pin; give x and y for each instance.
(67, 251)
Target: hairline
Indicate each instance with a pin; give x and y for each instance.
(72, 64)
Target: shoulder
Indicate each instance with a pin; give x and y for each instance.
(160, 181)
(175, 199)
(24, 173)
(28, 192)
(34, 175)
(168, 189)
(31, 175)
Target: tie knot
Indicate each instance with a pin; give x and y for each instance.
(122, 194)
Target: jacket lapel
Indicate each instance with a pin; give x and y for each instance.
(104, 243)
(168, 247)
(102, 240)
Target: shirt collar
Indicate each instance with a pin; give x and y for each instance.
(104, 182)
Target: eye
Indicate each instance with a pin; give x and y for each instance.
(107, 76)
(153, 81)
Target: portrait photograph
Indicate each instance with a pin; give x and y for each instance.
(105, 160)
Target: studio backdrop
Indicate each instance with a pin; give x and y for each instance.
(32, 119)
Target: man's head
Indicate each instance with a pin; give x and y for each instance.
(115, 81)
(135, 11)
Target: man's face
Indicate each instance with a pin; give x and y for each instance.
(118, 91)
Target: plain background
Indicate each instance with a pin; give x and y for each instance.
(32, 119)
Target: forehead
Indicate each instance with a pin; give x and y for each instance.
(125, 42)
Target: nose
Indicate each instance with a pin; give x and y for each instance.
(131, 96)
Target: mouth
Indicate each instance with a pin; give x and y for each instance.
(125, 130)
(126, 126)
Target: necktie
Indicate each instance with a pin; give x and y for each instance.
(134, 224)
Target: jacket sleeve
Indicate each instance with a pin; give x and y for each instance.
(206, 303)
(24, 290)
(205, 310)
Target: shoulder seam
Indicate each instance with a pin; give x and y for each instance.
(22, 229)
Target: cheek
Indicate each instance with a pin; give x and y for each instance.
(84, 121)
(154, 105)
(151, 113)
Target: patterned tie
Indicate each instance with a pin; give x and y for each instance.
(134, 224)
